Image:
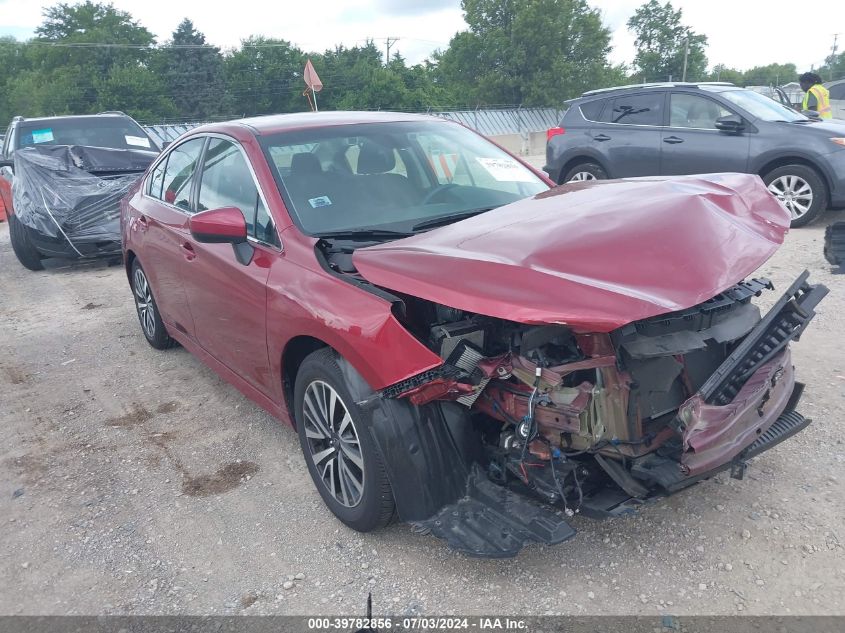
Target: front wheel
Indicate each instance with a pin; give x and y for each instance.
(585, 171)
(800, 189)
(151, 324)
(342, 457)
(24, 249)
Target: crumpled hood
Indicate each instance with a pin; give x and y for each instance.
(593, 255)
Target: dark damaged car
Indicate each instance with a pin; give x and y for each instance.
(62, 179)
(455, 342)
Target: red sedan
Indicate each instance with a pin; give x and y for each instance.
(454, 341)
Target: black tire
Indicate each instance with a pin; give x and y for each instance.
(375, 507)
(24, 249)
(596, 172)
(151, 324)
(777, 179)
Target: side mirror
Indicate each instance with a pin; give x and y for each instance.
(223, 226)
(218, 226)
(165, 145)
(811, 114)
(730, 123)
(6, 162)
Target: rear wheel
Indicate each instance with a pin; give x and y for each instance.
(341, 456)
(24, 249)
(800, 189)
(151, 324)
(585, 171)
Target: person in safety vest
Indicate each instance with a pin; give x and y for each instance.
(817, 97)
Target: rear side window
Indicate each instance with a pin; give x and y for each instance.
(228, 182)
(179, 173)
(592, 109)
(640, 109)
(837, 92)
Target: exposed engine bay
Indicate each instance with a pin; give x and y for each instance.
(598, 422)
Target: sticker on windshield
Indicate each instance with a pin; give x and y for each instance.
(42, 136)
(506, 170)
(320, 201)
(137, 141)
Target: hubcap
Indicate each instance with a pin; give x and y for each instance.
(333, 442)
(582, 175)
(144, 303)
(794, 192)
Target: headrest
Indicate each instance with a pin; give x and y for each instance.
(305, 163)
(375, 159)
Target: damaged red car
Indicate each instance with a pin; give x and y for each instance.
(457, 343)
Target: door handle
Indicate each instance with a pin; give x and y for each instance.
(601, 137)
(143, 223)
(673, 140)
(188, 251)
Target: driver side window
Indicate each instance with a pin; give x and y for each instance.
(692, 111)
(227, 182)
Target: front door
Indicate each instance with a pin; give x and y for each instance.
(691, 144)
(162, 220)
(228, 298)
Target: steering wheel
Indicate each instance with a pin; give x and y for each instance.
(437, 191)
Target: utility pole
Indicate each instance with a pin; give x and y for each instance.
(686, 56)
(389, 41)
(832, 57)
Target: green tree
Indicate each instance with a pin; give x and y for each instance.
(137, 91)
(536, 52)
(192, 73)
(721, 72)
(71, 27)
(771, 75)
(265, 76)
(661, 40)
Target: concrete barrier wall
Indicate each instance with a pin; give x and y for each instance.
(528, 144)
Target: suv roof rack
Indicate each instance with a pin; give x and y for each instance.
(15, 119)
(113, 112)
(663, 84)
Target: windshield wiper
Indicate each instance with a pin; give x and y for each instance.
(442, 220)
(364, 235)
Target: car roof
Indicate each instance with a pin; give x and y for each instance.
(70, 117)
(708, 85)
(276, 123)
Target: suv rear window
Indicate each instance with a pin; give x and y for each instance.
(592, 109)
(639, 109)
(111, 131)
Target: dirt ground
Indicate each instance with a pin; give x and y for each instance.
(134, 481)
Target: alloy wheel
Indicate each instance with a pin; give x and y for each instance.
(144, 303)
(582, 175)
(794, 192)
(333, 443)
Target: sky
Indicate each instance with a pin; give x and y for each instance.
(742, 33)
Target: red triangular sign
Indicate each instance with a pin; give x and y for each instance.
(312, 80)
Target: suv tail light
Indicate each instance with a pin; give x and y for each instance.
(554, 131)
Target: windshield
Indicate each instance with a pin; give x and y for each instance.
(400, 177)
(761, 106)
(114, 132)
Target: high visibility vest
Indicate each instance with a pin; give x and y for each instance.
(822, 100)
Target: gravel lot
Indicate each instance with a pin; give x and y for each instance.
(137, 482)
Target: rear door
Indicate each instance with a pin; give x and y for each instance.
(691, 144)
(228, 299)
(628, 133)
(162, 222)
